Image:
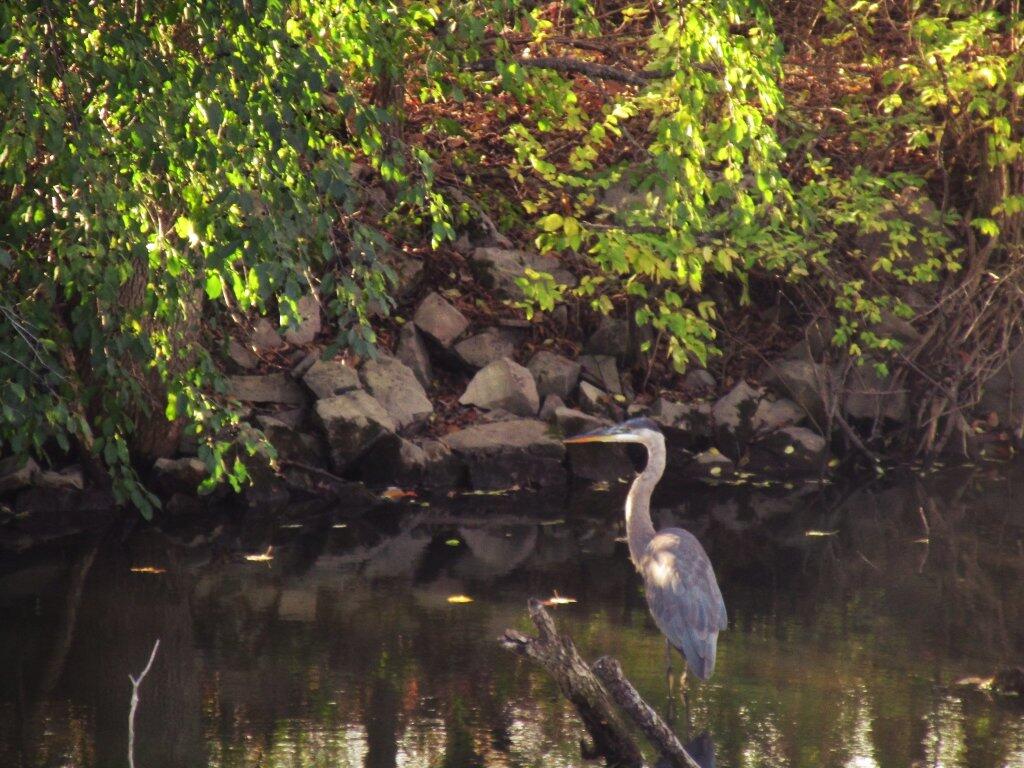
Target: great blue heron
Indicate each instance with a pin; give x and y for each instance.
(680, 583)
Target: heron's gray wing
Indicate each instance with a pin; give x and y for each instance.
(684, 597)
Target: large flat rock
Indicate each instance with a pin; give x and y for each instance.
(396, 387)
(440, 320)
(504, 385)
(268, 388)
(352, 422)
(522, 452)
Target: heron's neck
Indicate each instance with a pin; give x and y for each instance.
(639, 528)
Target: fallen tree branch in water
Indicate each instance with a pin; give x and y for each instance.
(595, 700)
(560, 659)
(136, 682)
(609, 671)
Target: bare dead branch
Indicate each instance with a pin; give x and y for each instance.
(629, 700)
(136, 682)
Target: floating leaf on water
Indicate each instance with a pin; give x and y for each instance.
(982, 683)
(263, 557)
(496, 492)
(557, 599)
(397, 494)
(715, 471)
(147, 569)
(459, 599)
(601, 485)
(453, 542)
(340, 525)
(814, 533)
(925, 540)
(290, 526)
(789, 449)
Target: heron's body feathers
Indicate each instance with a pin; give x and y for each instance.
(684, 597)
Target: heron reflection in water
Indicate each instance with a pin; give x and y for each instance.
(682, 592)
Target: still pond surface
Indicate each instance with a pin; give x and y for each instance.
(853, 615)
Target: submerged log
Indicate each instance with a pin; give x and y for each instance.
(594, 693)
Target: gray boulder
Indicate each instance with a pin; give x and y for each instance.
(440, 320)
(413, 352)
(509, 453)
(686, 424)
(70, 479)
(549, 407)
(733, 417)
(866, 395)
(408, 271)
(816, 342)
(791, 451)
(265, 337)
(242, 356)
(573, 422)
(292, 444)
(554, 374)
(304, 330)
(699, 382)
(711, 465)
(499, 268)
(395, 386)
(327, 378)
(602, 371)
(179, 475)
(591, 398)
(352, 422)
(610, 338)
(486, 347)
(16, 474)
(394, 460)
(1003, 393)
(776, 414)
(804, 381)
(506, 385)
(266, 388)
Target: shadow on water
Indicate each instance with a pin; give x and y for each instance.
(853, 614)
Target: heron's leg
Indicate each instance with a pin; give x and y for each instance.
(670, 709)
(684, 694)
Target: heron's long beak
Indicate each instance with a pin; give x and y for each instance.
(604, 435)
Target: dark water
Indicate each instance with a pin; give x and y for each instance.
(344, 650)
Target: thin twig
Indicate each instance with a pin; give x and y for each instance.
(136, 682)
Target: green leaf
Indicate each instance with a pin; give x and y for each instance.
(552, 222)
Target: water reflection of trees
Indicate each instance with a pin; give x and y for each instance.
(344, 650)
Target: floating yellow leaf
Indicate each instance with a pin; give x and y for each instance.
(715, 471)
(340, 525)
(789, 450)
(396, 494)
(147, 569)
(459, 599)
(453, 542)
(820, 533)
(263, 557)
(557, 599)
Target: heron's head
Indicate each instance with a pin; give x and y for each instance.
(642, 431)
